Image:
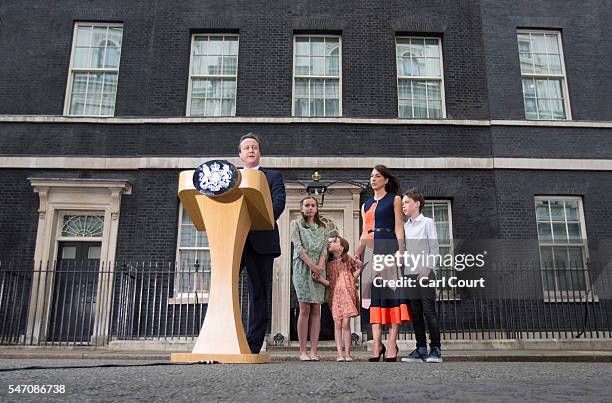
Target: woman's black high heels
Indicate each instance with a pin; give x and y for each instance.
(392, 359)
(380, 354)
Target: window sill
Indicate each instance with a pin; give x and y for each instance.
(570, 298)
(442, 118)
(88, 116)
(448, 299)
(187, 115)
(548, 120)
(316, 117)
(189, 299)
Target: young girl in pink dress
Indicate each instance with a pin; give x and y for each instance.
(342, 270)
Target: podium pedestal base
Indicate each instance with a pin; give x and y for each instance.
(222, 358)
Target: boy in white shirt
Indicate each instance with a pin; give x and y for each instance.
(422, 250)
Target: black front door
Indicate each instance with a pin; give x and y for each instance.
(75, 286)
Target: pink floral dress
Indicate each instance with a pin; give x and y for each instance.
(343, 297)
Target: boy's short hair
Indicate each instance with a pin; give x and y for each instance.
(415, 195)
(249, 135)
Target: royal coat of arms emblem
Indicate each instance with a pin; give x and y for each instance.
(215, 177)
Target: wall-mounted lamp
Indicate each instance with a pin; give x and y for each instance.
(318, 189)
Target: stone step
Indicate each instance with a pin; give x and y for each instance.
(327, 356)
(322, 346)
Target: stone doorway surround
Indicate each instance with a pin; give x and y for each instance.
(58, 197)
(339, 196)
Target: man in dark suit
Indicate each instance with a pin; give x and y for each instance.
(261, 247)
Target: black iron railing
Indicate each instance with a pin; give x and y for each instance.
(521, 302)
(92, 303)
(87, 303)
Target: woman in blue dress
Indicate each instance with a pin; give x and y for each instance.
(383, 234)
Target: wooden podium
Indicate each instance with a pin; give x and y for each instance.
(227, 219)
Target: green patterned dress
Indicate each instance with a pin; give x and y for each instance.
(312, 239)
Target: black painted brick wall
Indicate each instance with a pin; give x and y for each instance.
(343, 140)
(37, 38)
(583, 26)
(155, 54)
(155, 57)
(18, 216)
(515, 197)
(216, 139)
(486, 204)
(551, 142)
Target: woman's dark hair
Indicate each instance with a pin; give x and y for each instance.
(317, 219)
(393, 186)
(415, 195)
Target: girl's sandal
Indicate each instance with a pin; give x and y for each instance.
(348, 358)
(304, 357)
(340, 358)
(315, 358)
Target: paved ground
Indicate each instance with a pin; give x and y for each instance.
(505, 355)
(309, 381)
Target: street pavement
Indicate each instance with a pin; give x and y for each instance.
(310, 381)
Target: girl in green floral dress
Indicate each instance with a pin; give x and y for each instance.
(309, 237)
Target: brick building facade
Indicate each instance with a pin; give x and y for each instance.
(493, 110)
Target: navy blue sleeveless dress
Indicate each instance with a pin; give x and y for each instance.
(387, 305)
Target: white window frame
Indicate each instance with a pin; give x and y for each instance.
(562, 76)
(186, 297)
(191, 76)
(72, 70)
(574, 295)
(446, 294)
(422, 78)
(317, 77)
